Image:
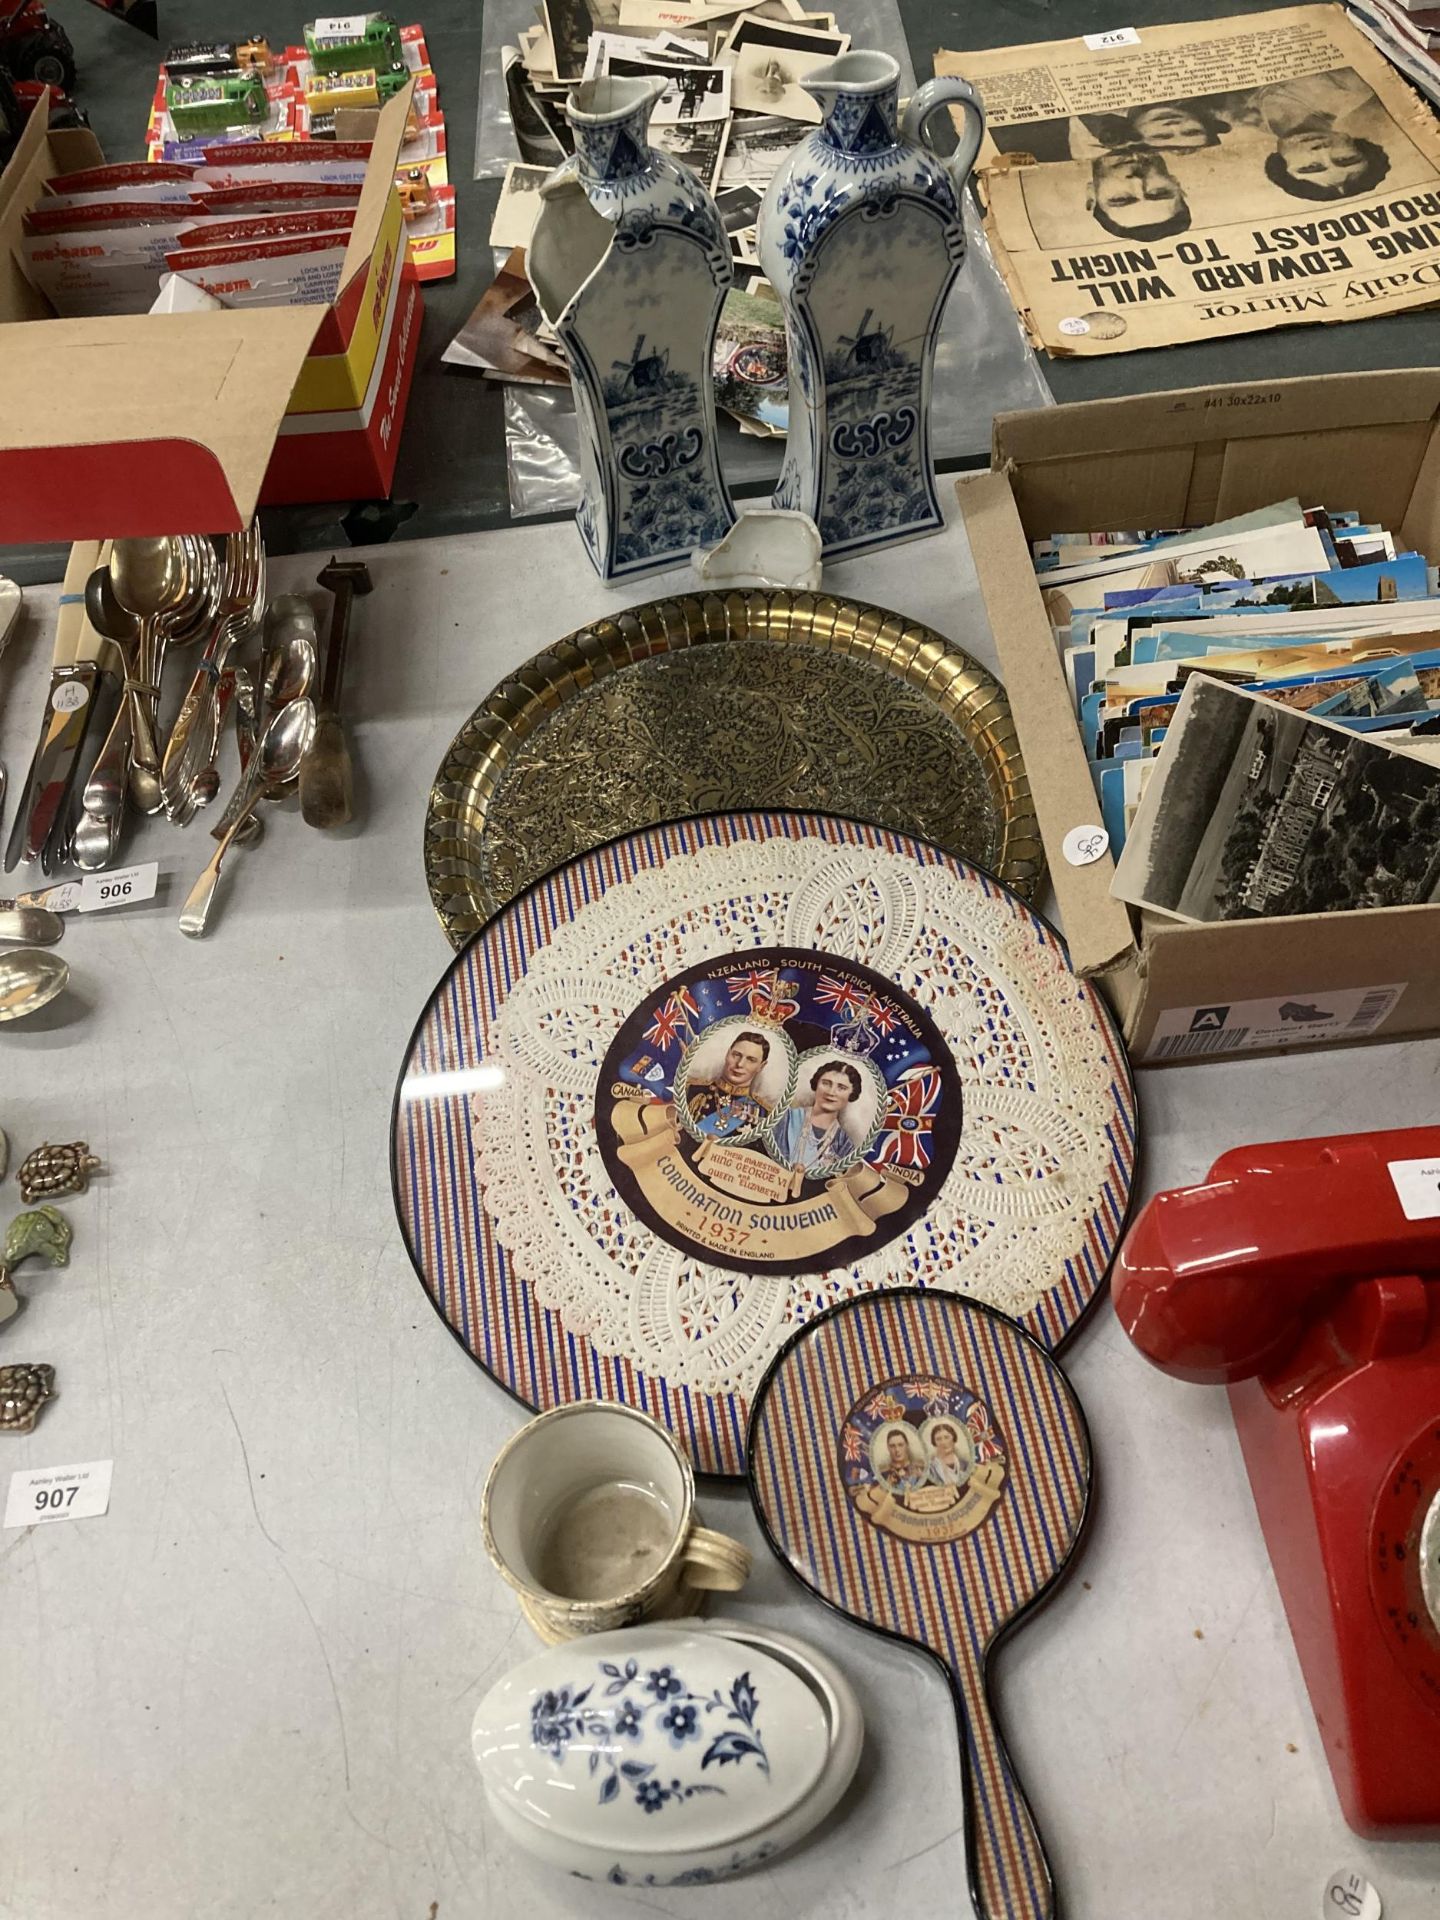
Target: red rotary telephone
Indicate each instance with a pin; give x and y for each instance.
(1305, 1275)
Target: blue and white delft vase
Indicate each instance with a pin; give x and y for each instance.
(861, 236)
(630, 264)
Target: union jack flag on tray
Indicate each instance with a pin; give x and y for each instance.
(909, 1113)
(846, 996)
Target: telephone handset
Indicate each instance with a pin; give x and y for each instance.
(1305, 1276)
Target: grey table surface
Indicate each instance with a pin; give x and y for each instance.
(248, 1688)
(451, 474)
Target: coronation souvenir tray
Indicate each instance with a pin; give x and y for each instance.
(700, 1083)
(809, 702)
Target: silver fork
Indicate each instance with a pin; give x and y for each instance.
(195, 735)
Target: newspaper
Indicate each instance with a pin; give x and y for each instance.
(1195, 181)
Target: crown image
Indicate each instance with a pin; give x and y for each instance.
(770, 995)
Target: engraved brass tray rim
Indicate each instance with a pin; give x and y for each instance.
(965, 692)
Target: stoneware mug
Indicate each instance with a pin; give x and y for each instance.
(589, 1513)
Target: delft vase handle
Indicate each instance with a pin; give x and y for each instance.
(926, 101)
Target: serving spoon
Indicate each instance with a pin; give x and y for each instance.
(276, 760)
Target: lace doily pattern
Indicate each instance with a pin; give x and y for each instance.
(515, 1226)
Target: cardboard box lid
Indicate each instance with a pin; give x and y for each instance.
(1191, 416)
(109, 423)
(1097, 926)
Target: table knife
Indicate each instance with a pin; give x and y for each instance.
(74, 669)
(11, 600)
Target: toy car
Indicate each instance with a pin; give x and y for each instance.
(324, 92)
(214, 104)
(253, 55)
(416, 193)
(34, 47)
(19, 99)
(200, 60)
(376, 45)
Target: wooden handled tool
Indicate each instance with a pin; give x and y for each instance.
(326, 775)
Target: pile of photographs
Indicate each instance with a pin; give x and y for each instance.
(1260, 705)
(733, 108)
(248, 92)
(733, 105)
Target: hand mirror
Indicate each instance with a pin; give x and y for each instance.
(923, 1465)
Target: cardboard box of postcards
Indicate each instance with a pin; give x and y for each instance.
(112, 425)
(1192, 458)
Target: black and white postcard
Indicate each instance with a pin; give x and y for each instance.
(1254, 810)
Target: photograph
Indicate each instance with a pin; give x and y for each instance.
(738, 206)
(1164, 167)
(691, 93)
(519, 205)
(758, 143)
(542, 132)
(502, 334)
(772, 60)
(569, 24)
(697, 144)
(732, 1080)
(1254, 810)
(751, 361)
(834, 1115)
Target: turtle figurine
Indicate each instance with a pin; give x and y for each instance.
(23, 1392)
(50, 1172)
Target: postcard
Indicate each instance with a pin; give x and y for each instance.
(1252, 810)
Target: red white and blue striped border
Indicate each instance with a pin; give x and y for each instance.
(469, 1274)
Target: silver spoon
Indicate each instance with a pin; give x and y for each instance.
(28, 981)
(288, 668)
(30, 926)
(95, 841)
(283, 745)
(150, 577)
(105, 612)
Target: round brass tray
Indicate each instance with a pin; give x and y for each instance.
(715, 701)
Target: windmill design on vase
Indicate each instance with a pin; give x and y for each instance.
(861, 234)
(630, 264)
